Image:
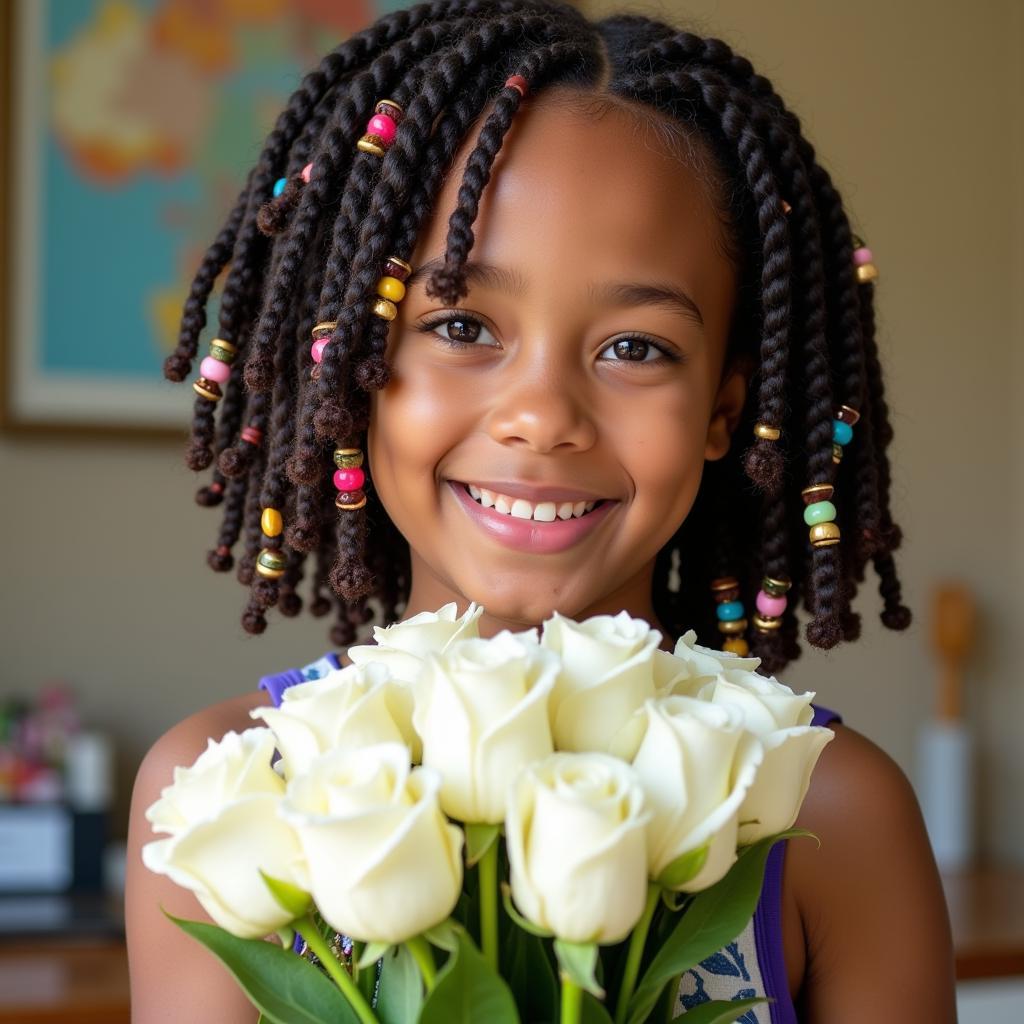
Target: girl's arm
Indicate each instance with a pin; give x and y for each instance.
(173, 977)
(874, 915)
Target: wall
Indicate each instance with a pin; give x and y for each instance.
(911, 105)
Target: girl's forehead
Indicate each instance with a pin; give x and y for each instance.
(589, 190)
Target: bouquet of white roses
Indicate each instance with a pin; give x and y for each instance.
(535, 828)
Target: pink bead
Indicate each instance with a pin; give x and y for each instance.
(863, 255)
(383, 127)
(349, 479)
(214, 369)
(773, 607)
(307, 173)
(318, 349)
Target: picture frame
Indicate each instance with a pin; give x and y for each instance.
(126, 132)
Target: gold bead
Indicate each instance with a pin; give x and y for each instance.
(391, 288)
(371, 144)
(391, 108)
(348, 458)
(325, 327)
(724, 583)
(271, 522)
(824, 535)
(385, 309)
(767, 623)
(817, 492)
(867, 272)
(766, 432)
(271, 564)
(223, 351)
(736, 645)
(776, 587)
(837, 453)
(847, 414)
(732, 626)
(208, 389)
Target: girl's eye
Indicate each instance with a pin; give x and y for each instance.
(637, 349)
(457, 330)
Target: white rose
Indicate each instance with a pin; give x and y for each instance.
(707, 662)
(575, 836)
(349, 707)
(222, 816)
(482, 713)
(384, 863)
(403, 646)
(780, 719)
(696, 764)
(607, 673)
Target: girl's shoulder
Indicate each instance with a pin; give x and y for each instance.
(870, 896)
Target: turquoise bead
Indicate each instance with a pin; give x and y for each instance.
(279, 186)
(842, 433)
(819, 512)
(730, 611)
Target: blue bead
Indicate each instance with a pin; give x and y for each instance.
(729, 611)
(279, 186)
(842, 433)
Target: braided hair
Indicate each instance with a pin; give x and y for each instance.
(313, 251)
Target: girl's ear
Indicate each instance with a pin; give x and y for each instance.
(725, 416)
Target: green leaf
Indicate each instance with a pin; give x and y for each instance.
(401, 988)
(479, 839)
(468, 991)
(593, 1011)
(714, 917)
(372, 952)
(510, 909)
(527, 966)
(288, 895)
(720, 1011)
(578, 960)
(443, 936)
(285, 988)
(684, 868)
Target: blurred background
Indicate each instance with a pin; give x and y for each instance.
(127, 129)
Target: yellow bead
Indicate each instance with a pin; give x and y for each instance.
(271, 522)
(867, 272)
(385, 309)
(824, 534)
(767, 433)
(391, 288)
(736, 645)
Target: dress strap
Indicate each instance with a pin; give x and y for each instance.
(276, 683)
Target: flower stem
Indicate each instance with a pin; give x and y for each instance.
(489, 905)
(315, 941)
(635, 953)
(572, 1001)
(424, 957)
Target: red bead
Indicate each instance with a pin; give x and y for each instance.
(518, 83)
(253, 435)
(383, 127)
(349, 479)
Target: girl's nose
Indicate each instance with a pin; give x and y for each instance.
(540, 410)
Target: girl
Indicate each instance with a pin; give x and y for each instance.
(580, 301)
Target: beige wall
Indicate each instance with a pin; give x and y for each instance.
(912, 106)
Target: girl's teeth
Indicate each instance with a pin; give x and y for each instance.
(542, 512)
(521, 509)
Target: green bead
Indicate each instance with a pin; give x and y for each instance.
(819, 512)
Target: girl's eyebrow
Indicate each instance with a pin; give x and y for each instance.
(629, 293)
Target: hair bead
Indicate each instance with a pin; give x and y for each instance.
(731, 627)
(271, 522)
(736, 645)
(252, 435)
(348, 458)
(385, 309)
(824, 535)
(520, 84)
(766, 432)
(776, 586)
(382, 128)
(271, 564)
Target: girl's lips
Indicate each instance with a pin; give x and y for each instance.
(529, 534)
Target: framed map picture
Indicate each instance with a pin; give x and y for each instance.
(128, 129)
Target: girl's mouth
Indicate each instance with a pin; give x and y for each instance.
(542, 527)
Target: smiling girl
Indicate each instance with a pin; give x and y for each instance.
(572, 319)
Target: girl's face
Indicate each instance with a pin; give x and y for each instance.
(584, 365)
